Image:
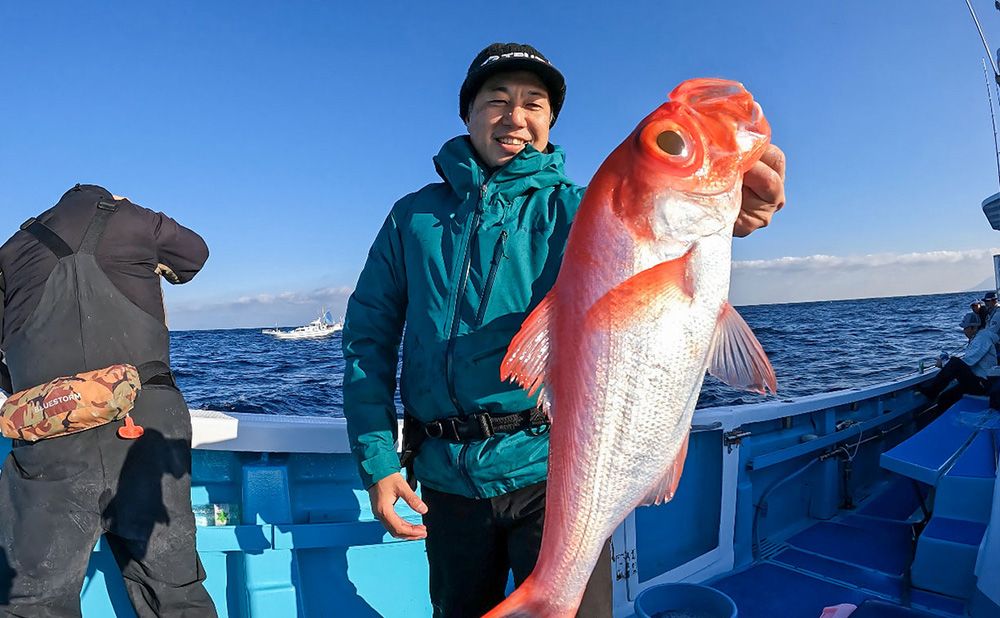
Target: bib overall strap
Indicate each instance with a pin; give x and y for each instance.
(157, 373)
(97, 225)
(5, 383)
(47, 237)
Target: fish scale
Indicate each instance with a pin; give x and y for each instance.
(623, 340)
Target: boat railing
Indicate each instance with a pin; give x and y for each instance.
(235, 431)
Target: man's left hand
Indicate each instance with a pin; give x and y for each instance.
(763, 192)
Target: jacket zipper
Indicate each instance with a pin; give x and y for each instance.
(498, 252)
(449, 359)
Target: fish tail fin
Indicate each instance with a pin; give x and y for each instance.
(529, 601)
(528, 353)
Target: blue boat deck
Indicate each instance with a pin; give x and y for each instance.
(908, 549)
(861, 556)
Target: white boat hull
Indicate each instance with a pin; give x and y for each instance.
(294, 335)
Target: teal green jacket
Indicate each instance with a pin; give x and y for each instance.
(461, 263)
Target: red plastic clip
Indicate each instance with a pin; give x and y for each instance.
(130, 431)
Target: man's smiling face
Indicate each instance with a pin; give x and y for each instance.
(509, 111)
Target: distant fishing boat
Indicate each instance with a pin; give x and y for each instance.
(323, 326)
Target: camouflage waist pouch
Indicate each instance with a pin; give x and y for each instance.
(71, 404)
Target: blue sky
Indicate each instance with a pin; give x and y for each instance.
(284, 131)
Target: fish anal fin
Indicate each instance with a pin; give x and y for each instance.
(530, 600)
(737, 358)
(528, 353)
(643, 294)
(665, 489)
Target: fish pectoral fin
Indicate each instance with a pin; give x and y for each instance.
(665, 489)
(643, 294)
(737, 358)
(528, 352)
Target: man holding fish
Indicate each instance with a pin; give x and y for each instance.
(462, 263)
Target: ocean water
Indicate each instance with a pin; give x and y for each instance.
(814, 347)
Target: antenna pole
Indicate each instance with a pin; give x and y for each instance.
(989, 95)
(989, 53)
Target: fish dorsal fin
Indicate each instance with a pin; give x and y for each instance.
(643, 294)
(665, 489)
(736, 356)
(528, 353)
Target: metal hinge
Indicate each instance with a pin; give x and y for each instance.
(624, 564)
(734, 438)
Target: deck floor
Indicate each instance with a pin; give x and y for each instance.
(860, 557)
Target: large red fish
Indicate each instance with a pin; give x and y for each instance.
(638, 313)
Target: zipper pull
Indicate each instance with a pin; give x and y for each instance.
(501, 250)
(480, 208)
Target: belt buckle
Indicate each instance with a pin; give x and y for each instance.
(434, 429)
(453, 425)
(439, 429)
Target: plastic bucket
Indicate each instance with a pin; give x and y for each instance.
(683, 601)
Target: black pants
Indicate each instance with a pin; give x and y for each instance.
(968, 384)
(59, 495)
(472, 545)
(995, 395)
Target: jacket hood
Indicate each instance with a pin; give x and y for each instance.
(459, 166)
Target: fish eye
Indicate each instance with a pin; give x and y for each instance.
(671, 143)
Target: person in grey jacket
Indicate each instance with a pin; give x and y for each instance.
(989, 313)
(971, 370)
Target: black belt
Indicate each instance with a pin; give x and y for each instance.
(475, 427)
(471, 428)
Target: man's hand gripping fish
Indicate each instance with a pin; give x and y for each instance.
(638, 313)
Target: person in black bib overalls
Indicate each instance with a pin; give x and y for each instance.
(81, 291)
